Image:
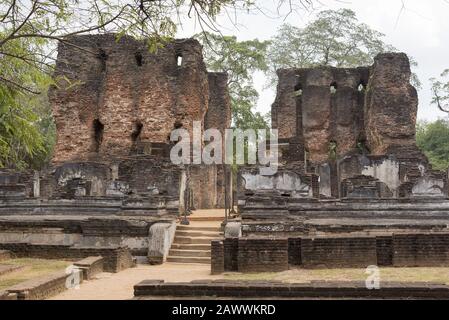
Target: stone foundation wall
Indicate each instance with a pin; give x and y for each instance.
(421, 250)
(217, 257)
(258, 255)
(354, 252)
(273, 255)
(151, 289)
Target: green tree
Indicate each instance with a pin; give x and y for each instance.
(433, 139)
(239, 59)
(440, 91)
(334, 38)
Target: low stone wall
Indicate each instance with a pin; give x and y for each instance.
(258, 255)
(90, 266)
(338, 252)
(217, 257)
(272, 255)
(50, 285)
(115, 258)
(255, 289)
(421, 250)
(41, 288)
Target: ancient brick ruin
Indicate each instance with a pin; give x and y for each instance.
(115, 104)
(352, 188)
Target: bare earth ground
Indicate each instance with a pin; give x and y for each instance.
(32, 268)
(120, 285)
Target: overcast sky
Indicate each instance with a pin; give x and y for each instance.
(420, 30)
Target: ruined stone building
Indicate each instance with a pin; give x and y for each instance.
(115, 105)
(352, 188)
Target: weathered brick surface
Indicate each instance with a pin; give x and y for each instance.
(90, 266)
(376, 104)
(398, 250)
(391, 104)
(338, 252)
(306, 109)
(230, 253)
(420, 250)
(125, 94)
(254, 289)
(217, 257)
(384, 251)
(294, 251)
(262, 255)
(42, 287)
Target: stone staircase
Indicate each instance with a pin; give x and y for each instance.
(192, 243)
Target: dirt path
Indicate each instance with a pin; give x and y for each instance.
(119, 286)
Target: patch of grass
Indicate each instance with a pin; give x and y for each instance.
(439, 275)
(33, 268)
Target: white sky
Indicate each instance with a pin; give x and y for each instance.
(421, 31)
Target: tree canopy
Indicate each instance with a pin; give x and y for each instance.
(334, 38)
(239, 59)
(440, 91)
(433, 139)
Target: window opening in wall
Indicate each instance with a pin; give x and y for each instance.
(135, 135)
(177, 125)
(98, 133)
(298, 90)
(179, 60)
(103, 57)
(361, 87)
(139, 59)
(333, 87)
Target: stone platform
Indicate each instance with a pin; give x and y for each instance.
(225, 289)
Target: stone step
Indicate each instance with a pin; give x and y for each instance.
(197, 228)
(196, 240)
(182, 259)
(190, 233)
(189, 253)
(192, 218)
(179, 246)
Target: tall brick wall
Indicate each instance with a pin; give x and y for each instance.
(373, 107)
(307, 110)
(124, 93)
(391, 104)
